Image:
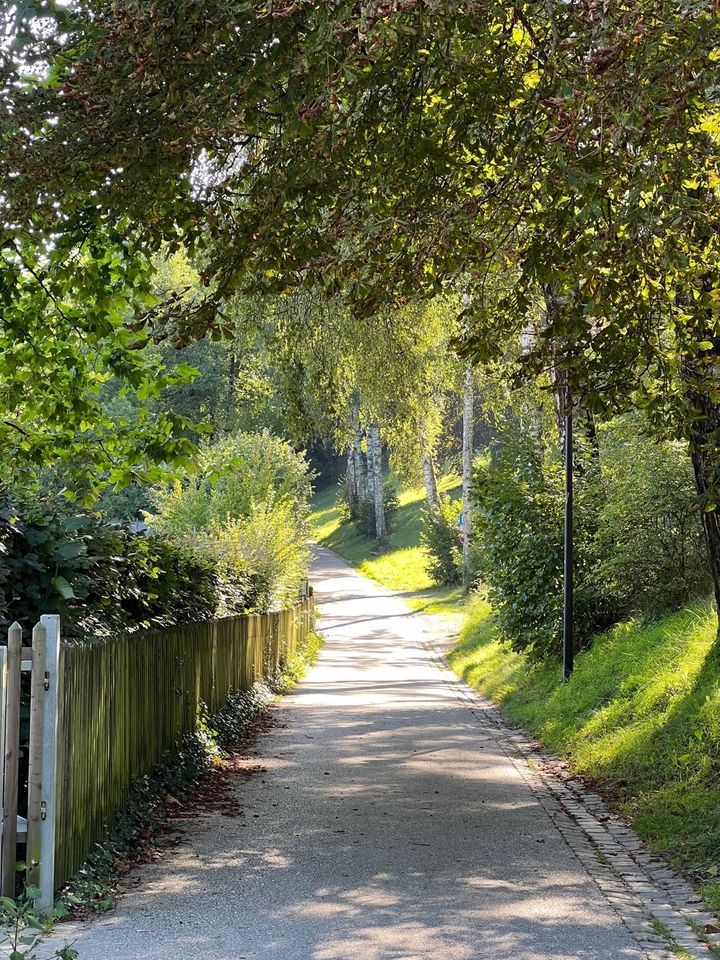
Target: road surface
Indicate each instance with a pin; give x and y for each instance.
(390, 822)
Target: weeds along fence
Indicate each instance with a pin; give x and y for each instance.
(103, 714)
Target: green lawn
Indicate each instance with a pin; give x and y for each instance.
(403, 566)
(640, 716)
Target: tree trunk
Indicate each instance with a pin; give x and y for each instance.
(468, 451)
(707, 481)
(703, 435)
(361, 485)
(430, 480)
(374, 442)
(351, 481)
(701, 373)
(429, 476)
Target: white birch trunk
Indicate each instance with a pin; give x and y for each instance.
(351, 480)
(430, 481)
(361, 485)
(468, 452)
(374, 443)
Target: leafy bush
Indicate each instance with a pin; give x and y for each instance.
(267, 550)
(518, 531)
(234, 474)
(247, 513)
(101, 578)
(650, 538)
(440, 537)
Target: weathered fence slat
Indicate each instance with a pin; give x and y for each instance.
(37, 709)
(11, 740)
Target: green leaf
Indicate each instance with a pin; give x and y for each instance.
(63, 588)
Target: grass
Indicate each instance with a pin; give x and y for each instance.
(403, 566)
(640, 716)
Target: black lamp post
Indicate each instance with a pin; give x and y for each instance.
(568, 545)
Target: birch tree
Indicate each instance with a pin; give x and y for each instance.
(375, 468)
(467, 465)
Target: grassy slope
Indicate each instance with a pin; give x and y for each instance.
(403, 566)
(641, 716)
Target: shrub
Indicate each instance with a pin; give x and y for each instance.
(101, 578)
(234, 474)
(440, 536)
(650, 537)
(266, 550)
(247, 513)
(518, 531)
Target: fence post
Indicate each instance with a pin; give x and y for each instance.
(48, 813)
(11, 686)
(35, 785)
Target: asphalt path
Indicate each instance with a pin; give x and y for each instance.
(387, 822)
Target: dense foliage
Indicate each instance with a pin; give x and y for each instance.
(650, 538)
(101, 578)
(233, 474)
(246, 511)
(441, 539)
(229, 539)
(519, 502)
(638, 538)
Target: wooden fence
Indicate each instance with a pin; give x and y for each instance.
(111, 710)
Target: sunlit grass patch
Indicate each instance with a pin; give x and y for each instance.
(403, 566)
(641, 716)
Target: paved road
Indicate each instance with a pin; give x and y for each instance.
(390, 823)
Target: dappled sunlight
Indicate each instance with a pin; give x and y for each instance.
(640, 714)
(382, 820)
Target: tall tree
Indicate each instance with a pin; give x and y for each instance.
(381, 151)
(467, 465)
(375, 468)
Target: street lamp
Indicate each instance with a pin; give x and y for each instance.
(568, 542)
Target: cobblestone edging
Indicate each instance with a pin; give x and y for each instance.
(662, 911)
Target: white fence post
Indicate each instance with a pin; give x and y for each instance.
(35, 752)
(51, 622)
